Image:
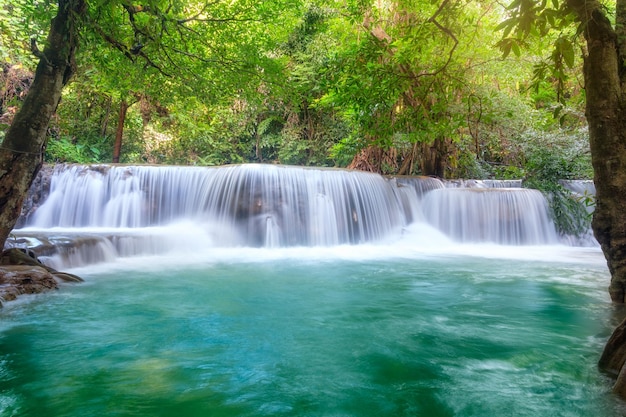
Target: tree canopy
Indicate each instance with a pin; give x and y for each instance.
(392, 86)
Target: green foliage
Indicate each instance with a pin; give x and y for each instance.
(342, 152)
(417, 72)
(541, 27)
(466, 164)
(63, 149)
(506, 172)
(186, 47)
(549, 162)
(83, 131)
(569, 211)
(21, 20)
(312, 23)
(201, 136)
(312, 83)
(133, 149)
(561, 155)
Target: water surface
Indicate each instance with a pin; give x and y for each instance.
(345, 331)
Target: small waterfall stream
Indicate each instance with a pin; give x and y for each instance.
(510, 216)
(136, 210)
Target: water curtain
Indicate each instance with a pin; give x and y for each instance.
(147, 209)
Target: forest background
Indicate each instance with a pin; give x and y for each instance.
(397, 87)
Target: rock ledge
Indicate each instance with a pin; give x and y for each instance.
(22, 273)
(16, 280)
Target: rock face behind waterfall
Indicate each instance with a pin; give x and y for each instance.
(37, 194)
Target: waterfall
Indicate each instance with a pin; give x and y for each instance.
(256, 205)
(581, 187)
(515, 216)
(145, 210)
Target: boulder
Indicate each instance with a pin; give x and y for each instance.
(22, 273)
(16, 280)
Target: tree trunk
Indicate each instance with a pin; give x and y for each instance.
(434, 158)
(606, 116)
(21, 152)
(119, 134)
(605, 83)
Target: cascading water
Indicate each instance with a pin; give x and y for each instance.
(498, 215)
(136, 210)
(259, 204)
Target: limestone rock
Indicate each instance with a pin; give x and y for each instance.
(16, 280)
(22, 273)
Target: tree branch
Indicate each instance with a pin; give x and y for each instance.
(127, 52)
(448, 32)
(35, 50)
(115, 43)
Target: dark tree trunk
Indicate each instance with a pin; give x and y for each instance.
(21, 152)
(605, 83)
(434, 158)
(606, 115)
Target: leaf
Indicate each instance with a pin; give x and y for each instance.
(567, 50)
(505, 46)
(516, 49)
(510, 22)
(514, 4)
(265, 125)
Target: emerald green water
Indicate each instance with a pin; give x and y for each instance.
(300, 335)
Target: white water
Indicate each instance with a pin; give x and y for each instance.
(507, 216)
(102, 213)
